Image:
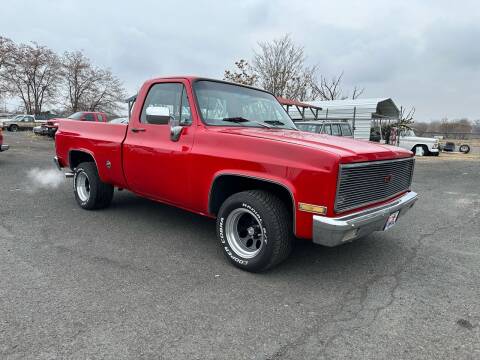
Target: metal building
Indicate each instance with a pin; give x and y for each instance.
(360, 113)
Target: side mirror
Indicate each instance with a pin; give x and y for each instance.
(176, 129)
(158, 115)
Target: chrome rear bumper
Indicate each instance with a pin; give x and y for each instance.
(337, 231)
(57, 163)
(4, 147)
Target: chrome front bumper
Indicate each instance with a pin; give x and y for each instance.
(337, 231)
(4, 147)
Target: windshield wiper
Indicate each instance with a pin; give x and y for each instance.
(278, 123)
(239, 119)
(274, 122)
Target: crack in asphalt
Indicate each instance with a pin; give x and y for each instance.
(361, 294)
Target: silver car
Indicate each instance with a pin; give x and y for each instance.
(335, 128)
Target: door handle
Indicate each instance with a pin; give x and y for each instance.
(135, 130)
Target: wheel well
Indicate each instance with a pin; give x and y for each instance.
(77, 157)
(425, 147)
(227, 185)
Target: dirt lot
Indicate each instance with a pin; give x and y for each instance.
(144, 280)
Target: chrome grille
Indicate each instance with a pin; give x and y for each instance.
(365, 183)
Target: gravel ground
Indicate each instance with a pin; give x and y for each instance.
(142, 280)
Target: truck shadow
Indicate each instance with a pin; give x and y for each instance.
(184, 231)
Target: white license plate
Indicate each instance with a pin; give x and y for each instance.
(392, 220)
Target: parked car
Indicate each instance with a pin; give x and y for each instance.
(40, 130)
(419, 145)
(3, 147)
(122, 120)
(51, 126)
(230, 152)
(23, 122)
(335, 128)
(19, 122)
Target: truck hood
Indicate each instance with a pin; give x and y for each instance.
(348, 150)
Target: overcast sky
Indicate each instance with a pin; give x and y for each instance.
(423, 53)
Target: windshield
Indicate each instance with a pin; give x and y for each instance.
(76, 116)
(232, 105)
(18, 117)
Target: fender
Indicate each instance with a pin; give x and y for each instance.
(89, 152)
(261, 176)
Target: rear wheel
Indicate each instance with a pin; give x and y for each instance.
(90, 192)
(255, 230)
(464, 148)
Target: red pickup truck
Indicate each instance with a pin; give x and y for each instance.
(231, 152)
(3, 147)
(51, 126)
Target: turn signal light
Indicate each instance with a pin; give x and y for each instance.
(315, 209)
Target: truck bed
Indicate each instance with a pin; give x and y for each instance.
(102, 139)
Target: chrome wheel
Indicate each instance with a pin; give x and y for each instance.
(82, 186)
(244, 233)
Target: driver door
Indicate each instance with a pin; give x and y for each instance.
(154, 165)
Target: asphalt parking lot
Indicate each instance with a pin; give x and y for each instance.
(142, 280)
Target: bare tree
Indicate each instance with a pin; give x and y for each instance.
(89, 88)
(357, 92)
(7, 48)
(79, 78)
(33, 75)
(107, 93)
(405, 119)
(420, 128)
(280, 67)
(331, 89)
(243, 74)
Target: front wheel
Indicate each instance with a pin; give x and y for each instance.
(13, 128)
(255, 230)
(420, 150)
(90, 192)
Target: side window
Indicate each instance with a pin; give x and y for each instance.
(346, 130)
(100, 118)
(89, 117)
(165, 95)
(327, 129)
(336, 130)
(302, 127)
